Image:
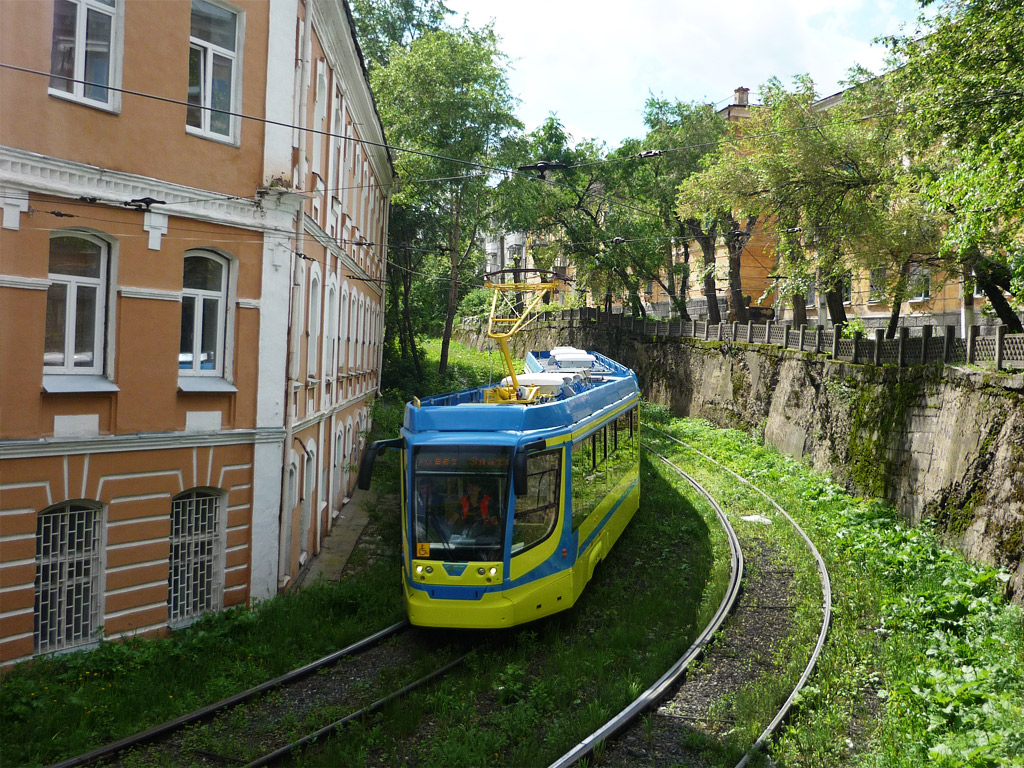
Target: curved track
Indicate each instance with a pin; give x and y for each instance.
(165, 730)
(826, 598)
(665, 683)
(661, 689)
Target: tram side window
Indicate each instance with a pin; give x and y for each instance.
(537, 511)
(600, 461)
(584, 495)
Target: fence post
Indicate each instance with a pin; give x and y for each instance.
(803, 332)
(926, 341)
(735, 326)
(750, 331)
(947, 343)
(707, 329)
(768, 332)
(879, 337)
(837, 334)
(1000, 340)
(785, 337)
(856, 346)
(902, 351)
(817, 340)
(972, 339)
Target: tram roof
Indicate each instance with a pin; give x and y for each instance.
(465, 411)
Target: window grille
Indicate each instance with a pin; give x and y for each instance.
(194, 581)
(68, 543)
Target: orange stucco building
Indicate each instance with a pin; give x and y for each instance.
(190, 307)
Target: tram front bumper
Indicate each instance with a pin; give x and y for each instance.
(491, 610)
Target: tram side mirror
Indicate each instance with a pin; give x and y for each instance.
(370, 458)
(520, 480)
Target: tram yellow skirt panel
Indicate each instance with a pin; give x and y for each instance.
(494, 609)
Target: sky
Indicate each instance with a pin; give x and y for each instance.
(595, 62)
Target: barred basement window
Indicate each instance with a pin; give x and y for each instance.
(68, 544)
(195, 582)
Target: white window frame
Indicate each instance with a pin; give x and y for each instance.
(331, 330)
(112, 103)
(882, 276)
(309, 487)
(225, 316)
(202, 598)
(71, 284)
(67, 568)
(343, 329)
(918, 273)
(319, 114)
(208, 50)
(313, 321)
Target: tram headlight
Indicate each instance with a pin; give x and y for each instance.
(480, 571)
(493, 570)
(419, 569)
(430, 569)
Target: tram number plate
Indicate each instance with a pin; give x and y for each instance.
(422, 549)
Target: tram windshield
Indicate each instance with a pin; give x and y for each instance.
(460, 499)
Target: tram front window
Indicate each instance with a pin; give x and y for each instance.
(460, 502)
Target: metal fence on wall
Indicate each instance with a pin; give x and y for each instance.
(933, 345)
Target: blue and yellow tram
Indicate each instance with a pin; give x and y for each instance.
(509, 503)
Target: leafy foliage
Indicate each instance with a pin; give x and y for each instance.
(962, 105)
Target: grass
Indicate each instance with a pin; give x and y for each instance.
(924, 661)
(527, 695)
(60, 706)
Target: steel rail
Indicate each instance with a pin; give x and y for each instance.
(376, 706)
(826, 592)
(178, 723)
(659, 689)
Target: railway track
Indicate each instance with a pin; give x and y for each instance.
(192, 739)
(183, 739)
(670, 693)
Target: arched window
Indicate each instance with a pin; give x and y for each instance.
(344, 331)
(204, 305)
(68, 590)
(331, 330)
(76, 304)
(308, 487)
(195, 581)
(353, 333)
(313, 328)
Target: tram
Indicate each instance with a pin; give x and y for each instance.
(512, 494)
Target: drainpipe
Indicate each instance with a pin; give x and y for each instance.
(284, 559)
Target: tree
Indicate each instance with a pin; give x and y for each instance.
(962, 106)
(680, 136)
(382, 24)
(831, 178)
(445, 101)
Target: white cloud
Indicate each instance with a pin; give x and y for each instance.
(594, 63)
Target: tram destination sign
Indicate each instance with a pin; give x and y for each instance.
(462, 458)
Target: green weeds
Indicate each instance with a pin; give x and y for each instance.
(924, 661)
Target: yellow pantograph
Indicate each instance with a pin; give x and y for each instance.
(513, 305)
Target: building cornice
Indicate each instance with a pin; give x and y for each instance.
(50, 446)
(49, 175)
(27, 283)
